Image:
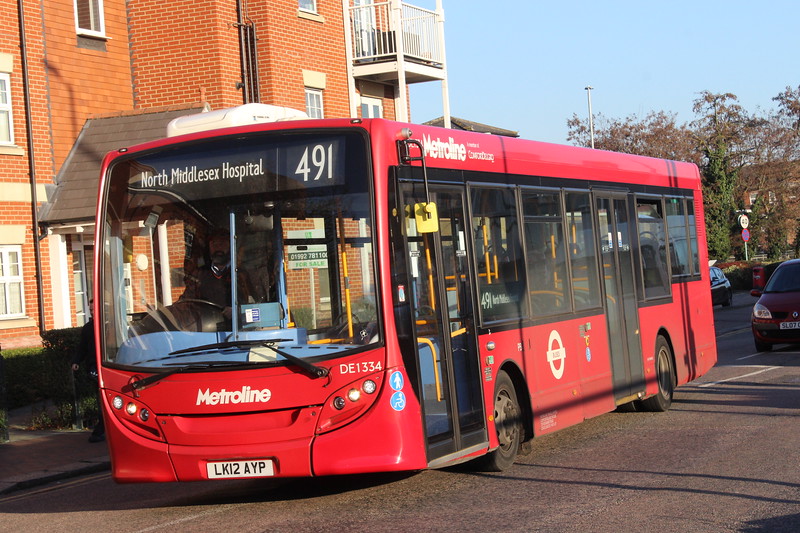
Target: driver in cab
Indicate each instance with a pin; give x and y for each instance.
(214, 279)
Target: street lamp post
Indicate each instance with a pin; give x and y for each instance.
(591, 118)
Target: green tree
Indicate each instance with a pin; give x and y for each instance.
(747, 162)
(721, 134)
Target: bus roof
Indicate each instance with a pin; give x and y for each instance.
(470, 151)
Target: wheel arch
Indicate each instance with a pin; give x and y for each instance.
(523, 395)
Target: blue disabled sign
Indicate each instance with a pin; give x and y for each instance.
(398, 401)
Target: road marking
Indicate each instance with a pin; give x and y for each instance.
(178, 521)
(734, 332)
(712, 383)
(53, 486)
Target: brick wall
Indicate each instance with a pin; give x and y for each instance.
(183, 49)
(68, 82)
(158, 52)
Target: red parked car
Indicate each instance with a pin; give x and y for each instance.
(776, 315)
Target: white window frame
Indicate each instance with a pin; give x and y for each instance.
(370, 104)
(7, 280)
(307, 6)
(98, 28)
(315, 105)
(5, 107)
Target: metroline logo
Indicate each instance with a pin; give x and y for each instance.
(439, 149)
(222, 397)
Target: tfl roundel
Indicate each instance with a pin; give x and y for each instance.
(556, 354)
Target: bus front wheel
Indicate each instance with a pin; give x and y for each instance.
(508, 424)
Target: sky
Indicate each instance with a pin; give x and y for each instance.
(523, 65)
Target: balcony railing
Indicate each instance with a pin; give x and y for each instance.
(375, 31)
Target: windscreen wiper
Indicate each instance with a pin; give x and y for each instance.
(314, 370)
(155, 378)
(223, 345)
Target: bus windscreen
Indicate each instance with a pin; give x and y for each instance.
(239, 251)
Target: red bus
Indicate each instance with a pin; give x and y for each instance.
(320, 297)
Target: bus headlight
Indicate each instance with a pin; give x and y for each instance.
(349, 402)
(132, 414)
(353, 395)
(369, 386)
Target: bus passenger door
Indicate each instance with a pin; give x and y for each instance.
(614, 229)
(442, 296)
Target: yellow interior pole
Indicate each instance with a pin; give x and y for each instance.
(429, 263)
(486, 251)
(347, 306)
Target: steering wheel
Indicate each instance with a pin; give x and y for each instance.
(341, 320)
(201, 301)
(200, 315)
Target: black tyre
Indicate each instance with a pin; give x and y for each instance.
(665, 375)
(762, 346)
(728, 299)
(508, 423)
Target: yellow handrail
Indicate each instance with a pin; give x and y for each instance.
(436, 376)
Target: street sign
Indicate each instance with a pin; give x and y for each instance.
(744, 222)
(746, 234)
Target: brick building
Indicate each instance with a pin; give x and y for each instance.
(80, 77)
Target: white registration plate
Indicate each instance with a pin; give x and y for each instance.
(235, 469)
(790, 325)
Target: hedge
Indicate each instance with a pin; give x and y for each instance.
(41, 377)
(740, 273)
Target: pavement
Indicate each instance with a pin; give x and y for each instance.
(32, 458)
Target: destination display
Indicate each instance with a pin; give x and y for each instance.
(244, 166)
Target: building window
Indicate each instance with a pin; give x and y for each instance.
(314, 103)
(89, 18)
(309, 6)
(371, 107)
(11, 292)
(6, 123)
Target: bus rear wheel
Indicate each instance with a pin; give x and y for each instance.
(665, 375)
(508, 424)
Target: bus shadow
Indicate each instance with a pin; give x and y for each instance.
(652, 481)
(277, 490)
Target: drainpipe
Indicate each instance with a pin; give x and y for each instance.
(248, 56)
(31, 164)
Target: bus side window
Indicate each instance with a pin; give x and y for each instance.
(680, 256)
(652, 247)
(547, 257)
(693, 237)
(499, 262)
(582, 254)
